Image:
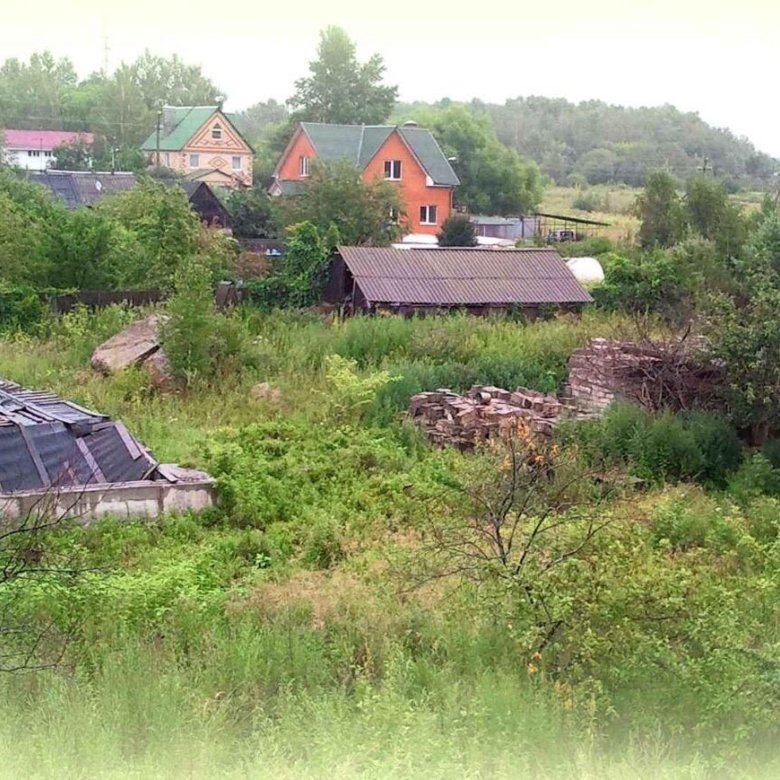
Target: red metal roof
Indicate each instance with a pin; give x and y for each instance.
(463, 277)
(41, 139)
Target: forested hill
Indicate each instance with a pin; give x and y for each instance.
(605, 143)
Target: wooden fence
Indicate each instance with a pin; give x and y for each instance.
(226, 294)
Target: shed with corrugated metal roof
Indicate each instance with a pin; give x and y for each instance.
(366, 279)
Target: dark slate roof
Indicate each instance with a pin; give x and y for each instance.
(430, 155)
(49, 443)
(463, 277)
(359, 144)
(84, 188)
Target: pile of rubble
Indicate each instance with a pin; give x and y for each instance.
(464, 420)
(655, 375)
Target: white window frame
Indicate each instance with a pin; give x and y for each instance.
(304, 166)
(393, 170)
(34, 153)
(236, 162)
(426, 211)
(194, 160)
(216, 133)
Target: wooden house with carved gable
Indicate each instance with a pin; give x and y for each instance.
(203, 143)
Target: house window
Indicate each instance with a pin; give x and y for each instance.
(393, 215)
(427, 215)
(393, 169)
(167, 159)
(304, 168)
(236, 163)
(194, 161)
(34, 153)
(216, 132)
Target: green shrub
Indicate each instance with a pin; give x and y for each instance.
(349, 394)
(661, 447)
(665, 450)
(587, 201)
(20, 308)
(719, 445)
(755, 477)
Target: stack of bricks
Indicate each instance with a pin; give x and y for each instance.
(484, 412)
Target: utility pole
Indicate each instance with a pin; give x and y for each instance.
(159, 123)
(704, 165)
(105, 56)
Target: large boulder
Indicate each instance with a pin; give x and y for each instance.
(158, 369)
(131, 347)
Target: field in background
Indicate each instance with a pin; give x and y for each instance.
(614, 203)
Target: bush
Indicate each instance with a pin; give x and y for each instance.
(756, 477)
(198, 341)
(661, 447)
(693, 520)
(719, 445)
(587, 201)
(20, 308)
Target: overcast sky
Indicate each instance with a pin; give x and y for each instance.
(720, 58)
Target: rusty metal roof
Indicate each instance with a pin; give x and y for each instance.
(463, 277)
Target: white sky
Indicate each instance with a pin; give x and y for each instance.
(719, 57)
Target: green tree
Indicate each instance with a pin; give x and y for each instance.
(74, 156)
(35, 94)
(661, 212)
(253, 213)
(336, 194)
(172, 81)
(256, 121)
(714, 217)
(745, 335)
(457, 230)
(167, 230)
(31, 224)
(301, 279)
(188, 334)
(598, 166)
(340, 89)
(493, 178)
(654, 282)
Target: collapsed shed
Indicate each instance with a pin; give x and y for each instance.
(57, 457)
(405, 281)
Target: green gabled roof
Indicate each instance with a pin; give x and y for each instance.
(429, 153)
(184, 122)
(360, 143)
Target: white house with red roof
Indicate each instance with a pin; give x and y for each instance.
(33, 150)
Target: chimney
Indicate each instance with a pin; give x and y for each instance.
(169, 119)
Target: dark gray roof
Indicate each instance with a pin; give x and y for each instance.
(463, 277)
(84, 188)
(46, 442)
(359, 144)
(430, 155)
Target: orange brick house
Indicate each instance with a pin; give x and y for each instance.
(203, 143)
(407, 155)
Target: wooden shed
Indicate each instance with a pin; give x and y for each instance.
(408, 281)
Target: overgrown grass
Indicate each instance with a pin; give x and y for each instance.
(287, 635)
